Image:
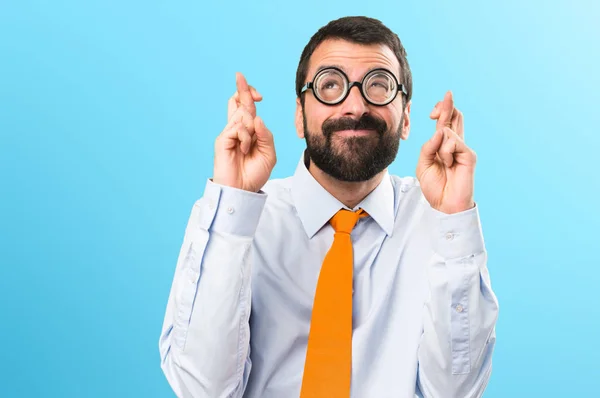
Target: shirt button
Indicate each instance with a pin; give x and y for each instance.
(230, 210)
(211, 205)
(449, 236)
(404, 188)
(459, 308)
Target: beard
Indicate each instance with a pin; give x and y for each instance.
(353, 159)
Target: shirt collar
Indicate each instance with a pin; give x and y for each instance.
(316, 206)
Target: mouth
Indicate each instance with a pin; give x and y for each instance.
(355, 133)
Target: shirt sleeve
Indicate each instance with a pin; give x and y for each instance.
(204, 343)
(455, 354)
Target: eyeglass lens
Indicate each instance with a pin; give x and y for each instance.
(331, 86)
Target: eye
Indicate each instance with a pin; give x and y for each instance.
(329, 84)
(380, 84)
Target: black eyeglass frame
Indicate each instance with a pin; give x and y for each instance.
(399, 87)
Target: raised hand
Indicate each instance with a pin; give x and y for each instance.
(446, 166)
(245, 149)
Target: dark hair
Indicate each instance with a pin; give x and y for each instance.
(360, 30)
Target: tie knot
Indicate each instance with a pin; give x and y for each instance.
(345, 220)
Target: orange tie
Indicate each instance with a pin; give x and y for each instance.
(328, 366)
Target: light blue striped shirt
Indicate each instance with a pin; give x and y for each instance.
(239, 310)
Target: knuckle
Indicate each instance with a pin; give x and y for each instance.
(219, 142)
(242, 131)
(221, 136)
(231, 129)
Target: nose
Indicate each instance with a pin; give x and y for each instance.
(355, 105)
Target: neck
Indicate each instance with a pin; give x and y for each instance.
(349, 193)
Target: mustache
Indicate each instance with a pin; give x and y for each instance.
(366, 122)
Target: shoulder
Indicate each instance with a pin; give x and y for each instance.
(407, 192)
(278, 191)
(405, 184)
(277, 186)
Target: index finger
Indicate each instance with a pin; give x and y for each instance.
(244, 93)
(446, 110)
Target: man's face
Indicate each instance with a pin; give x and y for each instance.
(353, 140)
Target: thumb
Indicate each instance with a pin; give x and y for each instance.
(430, 149)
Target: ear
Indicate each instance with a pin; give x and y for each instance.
(406, 122)
(299, 120)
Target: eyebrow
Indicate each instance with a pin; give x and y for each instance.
(320, 68)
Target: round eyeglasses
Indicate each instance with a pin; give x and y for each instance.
(331, 86)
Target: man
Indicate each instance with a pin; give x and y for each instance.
(341, 280)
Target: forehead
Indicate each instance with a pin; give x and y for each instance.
(355, 59)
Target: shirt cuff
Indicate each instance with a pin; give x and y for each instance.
(457, 235)
(231, 210)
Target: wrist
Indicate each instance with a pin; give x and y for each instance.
(455, 208)
(229, 184)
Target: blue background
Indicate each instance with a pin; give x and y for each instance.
(108, 113)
